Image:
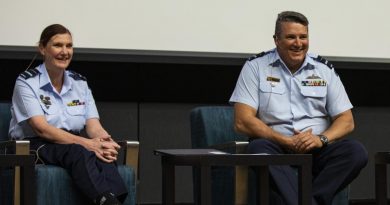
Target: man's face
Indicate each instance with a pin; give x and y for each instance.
(292, 44)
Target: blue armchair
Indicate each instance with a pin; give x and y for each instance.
(53, 184)
(212, 126)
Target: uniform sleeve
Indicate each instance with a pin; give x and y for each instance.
(25, 102)
(91, 111)
(337, 98)
(246, 90)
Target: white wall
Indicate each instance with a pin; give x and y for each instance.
(348, 28)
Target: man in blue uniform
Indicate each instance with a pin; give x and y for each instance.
(289, 101)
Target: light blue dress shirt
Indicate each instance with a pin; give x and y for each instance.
(286, 101)
(35, 95)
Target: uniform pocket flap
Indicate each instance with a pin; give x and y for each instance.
(313, 91)
(272, 87)
(76, 110)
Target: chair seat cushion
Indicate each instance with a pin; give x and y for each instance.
(55, 187)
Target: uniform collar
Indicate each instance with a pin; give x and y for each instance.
(277, 61)
(67, 82)
(44, 80)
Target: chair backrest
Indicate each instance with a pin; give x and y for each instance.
(212, 125)
(5, 118)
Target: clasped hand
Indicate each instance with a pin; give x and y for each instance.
(106, 149)
(303, 142)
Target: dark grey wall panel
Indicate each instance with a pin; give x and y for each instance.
(373, 130)
(163, 126)
(119, 119)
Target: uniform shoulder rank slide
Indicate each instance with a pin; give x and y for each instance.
(258, 55)
(324, 61)
(77, 76)
(29, 73)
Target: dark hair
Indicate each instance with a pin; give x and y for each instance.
(289, 16)
(51, 31)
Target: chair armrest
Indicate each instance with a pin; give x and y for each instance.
(21, 147)
(233, 147)
(18, 147)
(131, 153)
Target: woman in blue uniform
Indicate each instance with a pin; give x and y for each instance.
(51, 106)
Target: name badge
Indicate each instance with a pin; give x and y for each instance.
(273, 79)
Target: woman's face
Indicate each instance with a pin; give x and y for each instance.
(58, 51)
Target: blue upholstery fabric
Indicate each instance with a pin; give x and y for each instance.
(54, 185)
(212, 125)
(5, 118)
(51, 191)
(341, 198)
(6, 178)
(6, 174)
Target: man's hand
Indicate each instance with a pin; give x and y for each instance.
(305, 141)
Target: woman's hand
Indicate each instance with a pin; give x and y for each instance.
(105, 148)
(110, 148)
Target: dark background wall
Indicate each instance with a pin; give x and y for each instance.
(147, 96)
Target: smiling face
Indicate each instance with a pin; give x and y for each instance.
(58, 51)
(292, 44)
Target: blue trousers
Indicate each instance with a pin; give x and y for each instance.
(334, 167)
(91, 175)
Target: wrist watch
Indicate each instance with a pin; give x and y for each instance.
(324, 140)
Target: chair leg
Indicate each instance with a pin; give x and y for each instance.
(21, 148)
(381, 184)
(241, 185)
(17, 186)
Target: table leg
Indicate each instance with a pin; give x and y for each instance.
(28, 184)
(168, 182)
(381, 184)
(263, 185)
(305, 185)
(205, 185)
